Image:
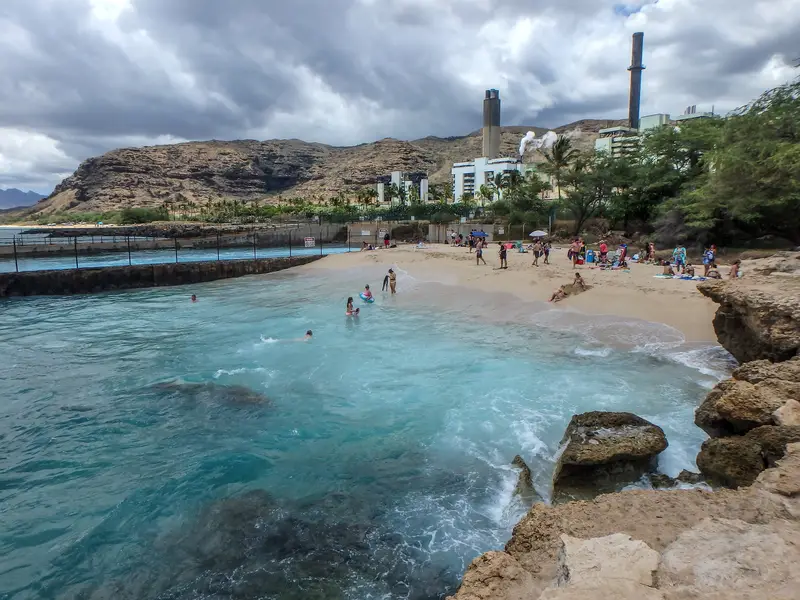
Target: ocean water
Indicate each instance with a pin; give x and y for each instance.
(155, 448)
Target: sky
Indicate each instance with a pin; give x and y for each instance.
(81, 77)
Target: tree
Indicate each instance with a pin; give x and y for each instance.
(484, 194)
(558, 158)
(751, 183)
(499, 184)
(590, 188)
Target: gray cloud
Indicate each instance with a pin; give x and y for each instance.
(83, 76)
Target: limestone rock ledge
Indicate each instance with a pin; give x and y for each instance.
(732, 545)
(759, 315)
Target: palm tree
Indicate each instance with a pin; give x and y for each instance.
(499, 184)
(558, 158)
(484, 194)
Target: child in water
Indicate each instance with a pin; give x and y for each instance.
(351, 312)
(367, 293)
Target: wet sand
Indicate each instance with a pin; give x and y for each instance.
(636, 294)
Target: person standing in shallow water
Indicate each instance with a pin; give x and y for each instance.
(392, 281)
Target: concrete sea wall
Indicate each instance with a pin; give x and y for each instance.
(103, 279)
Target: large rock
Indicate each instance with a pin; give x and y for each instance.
(616, 556)
(737, 461)
(497, 576)
(788, 414)
(601, 449)
(603, 589)
(731, 559)
(524, 488)
(758, 317)
(750, 398)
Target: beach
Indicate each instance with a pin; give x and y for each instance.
(634, 294)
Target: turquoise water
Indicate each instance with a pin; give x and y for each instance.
(155, 448)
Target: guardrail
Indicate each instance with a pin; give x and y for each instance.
(121, 251)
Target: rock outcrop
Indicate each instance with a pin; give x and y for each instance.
(601, 449)
(736, 461)
(750, 398)
(524, 488)
(200, 172)
(677, 524)
(759, 315)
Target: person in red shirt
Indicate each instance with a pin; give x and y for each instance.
(603, 251)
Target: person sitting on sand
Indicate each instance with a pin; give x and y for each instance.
(735, 269)
(668, 270)
(579, 282)
(689, 270)
(367, 294)
(558, 295)
(350, 311)
(713, 272)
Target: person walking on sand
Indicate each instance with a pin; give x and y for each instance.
(574, 251)
(546, 250)
(479, 253)
(392, 281)
(537, 252)
(503, 256)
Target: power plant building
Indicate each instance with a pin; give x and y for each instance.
(401, 180)
(491, 124)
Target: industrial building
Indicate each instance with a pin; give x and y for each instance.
(620, 140)
(402, 181)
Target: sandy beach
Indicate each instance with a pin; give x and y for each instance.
(636, 294)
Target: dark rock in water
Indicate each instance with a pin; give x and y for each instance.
(688, 477)
(229, 394)
(604, 449)
(77, 408)
(524, 489)
(659, 480)
(736, 461)
(252, 547)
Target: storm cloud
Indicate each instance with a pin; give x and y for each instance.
(80, 77)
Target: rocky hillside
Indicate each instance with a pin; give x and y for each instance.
(248, 169)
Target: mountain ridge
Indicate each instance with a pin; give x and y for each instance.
(205, 171)
(11, 198)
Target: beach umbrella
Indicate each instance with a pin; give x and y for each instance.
(538, 233)
(478, 234)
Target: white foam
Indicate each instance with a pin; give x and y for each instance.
(269, 340)
(600, 352)
(239, 371)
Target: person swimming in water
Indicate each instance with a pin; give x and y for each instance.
(350, 311)
(309, 334)
(194, 298)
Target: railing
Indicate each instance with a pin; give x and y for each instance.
(130, 250)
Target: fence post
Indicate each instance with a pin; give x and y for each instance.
(255, 257)
(129, 251)
(349, 229)
(176, 250)
(75, 243)
(217, 244)
(320, 237)
(16, 264)
(290, 242)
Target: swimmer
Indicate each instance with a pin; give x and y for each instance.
(350, 311)
(309, 334)
(366, 292)
(194, 298)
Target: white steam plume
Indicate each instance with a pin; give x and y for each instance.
(530, 140)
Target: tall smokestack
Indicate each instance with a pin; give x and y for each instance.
(636, 69)
(491, 124)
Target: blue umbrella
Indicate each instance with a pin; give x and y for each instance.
(478, 234)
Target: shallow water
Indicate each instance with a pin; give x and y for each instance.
(154, 448)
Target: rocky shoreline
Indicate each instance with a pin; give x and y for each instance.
(680, 544)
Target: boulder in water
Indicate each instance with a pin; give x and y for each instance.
(524, 487)
(227, 394)
(601, 449)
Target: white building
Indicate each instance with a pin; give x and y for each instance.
(402, 181)
(618, 140)
(468, 177)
